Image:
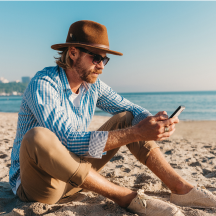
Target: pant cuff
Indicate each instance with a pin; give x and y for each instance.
(81, 173)
(150, 146)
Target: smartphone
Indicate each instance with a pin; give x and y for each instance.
(177, 111)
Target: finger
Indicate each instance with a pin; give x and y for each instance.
(159, 113)
(171, 121)
(172, 127)
(166, 128)
(168, 134)
(160, 118)
(162, 113)
(176, 119)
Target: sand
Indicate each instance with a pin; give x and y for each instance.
(191, 151)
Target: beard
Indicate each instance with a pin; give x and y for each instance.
(86, 75)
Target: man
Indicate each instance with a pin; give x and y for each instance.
(54, 155)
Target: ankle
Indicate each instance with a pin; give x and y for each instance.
(125, 201)
(182, 188)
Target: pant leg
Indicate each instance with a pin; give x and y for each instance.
(46, 167)
(116, 122)
(140, 150)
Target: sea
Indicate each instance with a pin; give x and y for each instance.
(200, 105)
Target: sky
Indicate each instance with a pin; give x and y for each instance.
(166, 46)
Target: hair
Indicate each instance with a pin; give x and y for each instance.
(64, 61)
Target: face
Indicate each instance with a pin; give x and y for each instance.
(87, 71)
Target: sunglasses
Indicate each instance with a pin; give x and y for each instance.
(96, 58)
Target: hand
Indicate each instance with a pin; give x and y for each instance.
(164, 113)
(152, 128)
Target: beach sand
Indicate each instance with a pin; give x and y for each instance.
(191, 151)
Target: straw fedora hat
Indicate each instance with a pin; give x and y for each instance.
(87, 34)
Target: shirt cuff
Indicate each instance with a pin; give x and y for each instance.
(97, 144)
(140, 117)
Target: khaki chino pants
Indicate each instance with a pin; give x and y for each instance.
(49, 171)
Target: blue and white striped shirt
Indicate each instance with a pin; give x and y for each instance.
(47, 103)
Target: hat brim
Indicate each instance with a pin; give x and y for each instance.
(61, 46)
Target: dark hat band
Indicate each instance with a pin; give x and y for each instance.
(91, 44)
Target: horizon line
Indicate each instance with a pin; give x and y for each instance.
(184, 91)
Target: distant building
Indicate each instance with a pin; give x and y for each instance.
(4, 94)
(26, 79)
(3, 80)
(14, 93)
(17, 81)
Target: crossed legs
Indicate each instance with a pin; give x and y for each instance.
(49, 170)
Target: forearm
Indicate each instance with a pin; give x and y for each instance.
(118, 138)
(151, 128)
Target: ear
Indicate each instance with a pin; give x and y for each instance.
(73, 53)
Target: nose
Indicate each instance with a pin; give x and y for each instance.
(100, 65)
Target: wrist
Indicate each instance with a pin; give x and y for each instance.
(136, 133)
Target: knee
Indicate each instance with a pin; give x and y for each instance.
(125, 119)
(148, 148)
(38, 138)
(118, 121)
(126, 115)
(141, 150)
